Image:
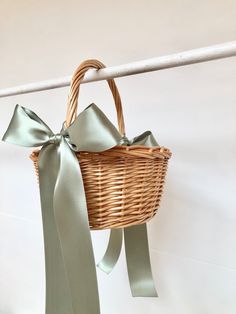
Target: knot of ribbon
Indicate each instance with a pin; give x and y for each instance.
(55, 138)
(71, 282)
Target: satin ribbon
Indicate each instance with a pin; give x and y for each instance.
(136, 244)
(71, 282)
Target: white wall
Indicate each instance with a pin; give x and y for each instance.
(191, 110)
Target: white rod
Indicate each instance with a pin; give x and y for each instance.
(224, 50)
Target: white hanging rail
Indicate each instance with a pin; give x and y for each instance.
(224, 50)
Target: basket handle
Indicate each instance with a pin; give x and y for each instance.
(72, 103)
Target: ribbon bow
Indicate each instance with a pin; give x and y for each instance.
(71, 282)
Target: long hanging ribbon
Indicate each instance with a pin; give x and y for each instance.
(137, 259)
(136, 245)
(71, 282)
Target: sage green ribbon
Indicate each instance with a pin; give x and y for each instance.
(136, 244)
(71, 282)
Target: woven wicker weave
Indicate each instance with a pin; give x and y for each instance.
(123, 185)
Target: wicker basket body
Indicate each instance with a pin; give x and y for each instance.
(123, 185)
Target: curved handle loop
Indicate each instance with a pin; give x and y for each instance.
(72, 104)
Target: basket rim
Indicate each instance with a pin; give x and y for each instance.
(134, 151)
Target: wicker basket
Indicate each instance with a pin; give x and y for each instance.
(123, 185)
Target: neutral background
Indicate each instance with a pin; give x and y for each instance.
(191, 110)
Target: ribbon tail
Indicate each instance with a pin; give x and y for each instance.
(71, 215)
(138, 261)
(112, 254)
(58, 300)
